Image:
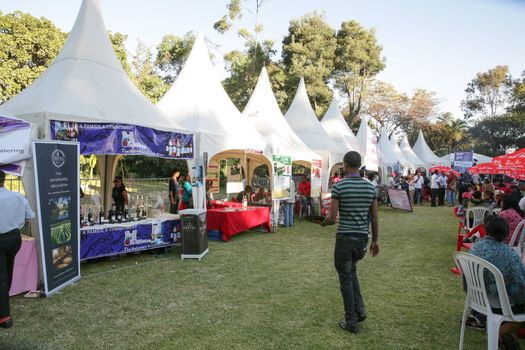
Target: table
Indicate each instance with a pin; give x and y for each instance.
(126, 237)
(25, 271)
(231, 221)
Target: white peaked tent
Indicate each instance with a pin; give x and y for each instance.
(264, 114)
(198, 101)
(85, 83)
(424, 152)
(387, 157)
(367, 146)
(336, 127)
(403, 161)
(302, 119)
(409, 153)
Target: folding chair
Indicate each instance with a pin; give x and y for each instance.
(473, 268)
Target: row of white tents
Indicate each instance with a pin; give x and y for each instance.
(86, 83)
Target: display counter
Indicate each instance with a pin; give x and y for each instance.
(126, 237)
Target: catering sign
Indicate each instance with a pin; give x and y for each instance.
(57, 184)
(116, 138)
(15, 144)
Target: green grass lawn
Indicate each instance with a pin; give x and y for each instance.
(260, 291)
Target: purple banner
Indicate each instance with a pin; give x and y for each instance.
(463, 156)
(114, 138)
(119, 239)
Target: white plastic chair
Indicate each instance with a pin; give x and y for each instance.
(518, 238)
(495, 211)
(477, 214)
(473, 268)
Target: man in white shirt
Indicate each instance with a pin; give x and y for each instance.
(418, 188)
(434, 188)
(442, 182)
(475, 179)
(15, 211)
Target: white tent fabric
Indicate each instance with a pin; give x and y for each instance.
(449, 158)
(335, 125)
(403, 161)
(86, 82)
(387, 156)
(424, 152)
(303, 121)
(264, 114)
(367, 146)
(409, 153)
(198, 101)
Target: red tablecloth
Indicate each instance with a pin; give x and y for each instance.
(231, 221)
(25, 271)
(225, 204)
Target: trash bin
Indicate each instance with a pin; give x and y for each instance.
(194, 233)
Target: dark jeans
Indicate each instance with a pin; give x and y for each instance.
(433, 196)
(348, 251)
(418, 196)
(174, 209)
(441, 195)
(9, 245)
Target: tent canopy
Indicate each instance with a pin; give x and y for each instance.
(387, 156)
(424, 152)
(367, 146)
(264, 114)
(335, 125)
(409, 154)
(402, 159)
(86, 82)
(198, 101)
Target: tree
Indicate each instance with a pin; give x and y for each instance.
(517, 95)
(456, 130)
(493, 135)
(118, 41)
(486, 94)
(145, 77)
(27, 46)
(172, 52)
(357, 62)
(308, 51)
(424, 105)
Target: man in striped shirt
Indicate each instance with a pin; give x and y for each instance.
(355, 199)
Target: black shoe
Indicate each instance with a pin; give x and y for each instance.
(352, 328)
(7, 324)
(474, 323)
(361, 318)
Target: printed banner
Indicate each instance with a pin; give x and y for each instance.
(463, 161)
(57, 189)
(213, 176)
(399, 199)
(325, 202)
(114, 138)
(109, 240)
(15, 145)
(315, 182)
(282, 173)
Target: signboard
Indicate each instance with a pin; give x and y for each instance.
(116, 138)
(15, 145)
(282, 173)
(463, 161)
(57, 191)
(326, 202)
(213, 176)
(399, 199)
(109, 240)
(315, 178)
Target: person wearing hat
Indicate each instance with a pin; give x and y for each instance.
(119, 194)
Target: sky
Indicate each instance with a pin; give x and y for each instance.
(433, 45)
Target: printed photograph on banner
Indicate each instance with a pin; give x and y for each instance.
(282, 171)
(66, 131)
(62, 256)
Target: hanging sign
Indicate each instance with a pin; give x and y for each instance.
(116, 138)
(57, 191)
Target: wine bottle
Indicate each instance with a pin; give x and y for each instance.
(90, 216)
(101, 215)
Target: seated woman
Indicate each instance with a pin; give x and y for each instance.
(488, 198)
(494, 250)
(247, 192)
(260, 195)
(511, 212)
(476, 200)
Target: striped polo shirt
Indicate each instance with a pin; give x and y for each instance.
(355, 195)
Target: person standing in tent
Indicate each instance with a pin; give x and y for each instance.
(304, 192)
(434, 188)
(15, 211)
(186, 197)
(354, 198)
(174, 191)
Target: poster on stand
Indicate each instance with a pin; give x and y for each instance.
(116, 138)
(57, 192)
(213, 176)
(282, 173)
(315, 179)
(399, 199)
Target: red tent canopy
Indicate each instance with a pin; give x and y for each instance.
(516, 159)
(441, 168)
(494, 168)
